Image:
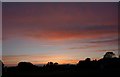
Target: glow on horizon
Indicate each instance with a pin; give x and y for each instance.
(61, 59)
(58, 32)
(37, 59)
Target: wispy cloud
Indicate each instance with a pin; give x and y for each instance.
(41, 27)
(84, 47)
(104, 41)
(59, 20)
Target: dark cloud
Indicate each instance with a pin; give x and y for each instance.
(104, 41)
(59, 20)
(84, 47)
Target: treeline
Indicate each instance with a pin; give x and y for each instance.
(105, 63)
(108, 62)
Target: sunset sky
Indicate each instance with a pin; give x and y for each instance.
(59, 32)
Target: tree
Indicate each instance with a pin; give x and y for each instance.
(1, 64)
(109, 55)
(25, 66)
(50, 64)
(55, 63)
(87, 59)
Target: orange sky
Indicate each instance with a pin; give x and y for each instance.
(58, 32)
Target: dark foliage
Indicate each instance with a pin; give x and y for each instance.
(83, 68)
(107, 66)
(25, 66)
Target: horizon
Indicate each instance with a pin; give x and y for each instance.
(10, 65)
(42, 64)
(72, 63)
(58, 32)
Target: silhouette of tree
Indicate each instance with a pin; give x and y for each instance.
(85, 64)
(25, 66)
(1, 68)
(50, 64)
(27, 69)
(55, 63)
(1, 64)
(87, 59)
(109, 55)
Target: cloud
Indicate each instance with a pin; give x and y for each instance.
(58, 33)
(92, 23)
(59, 21)
(108, 50)
(84, 47)
(104, 41)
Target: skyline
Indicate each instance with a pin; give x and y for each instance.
(58, 32)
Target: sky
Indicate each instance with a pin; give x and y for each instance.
(60, 0)
(58, 32)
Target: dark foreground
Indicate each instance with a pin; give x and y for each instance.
(67, 73)
(86, 68)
